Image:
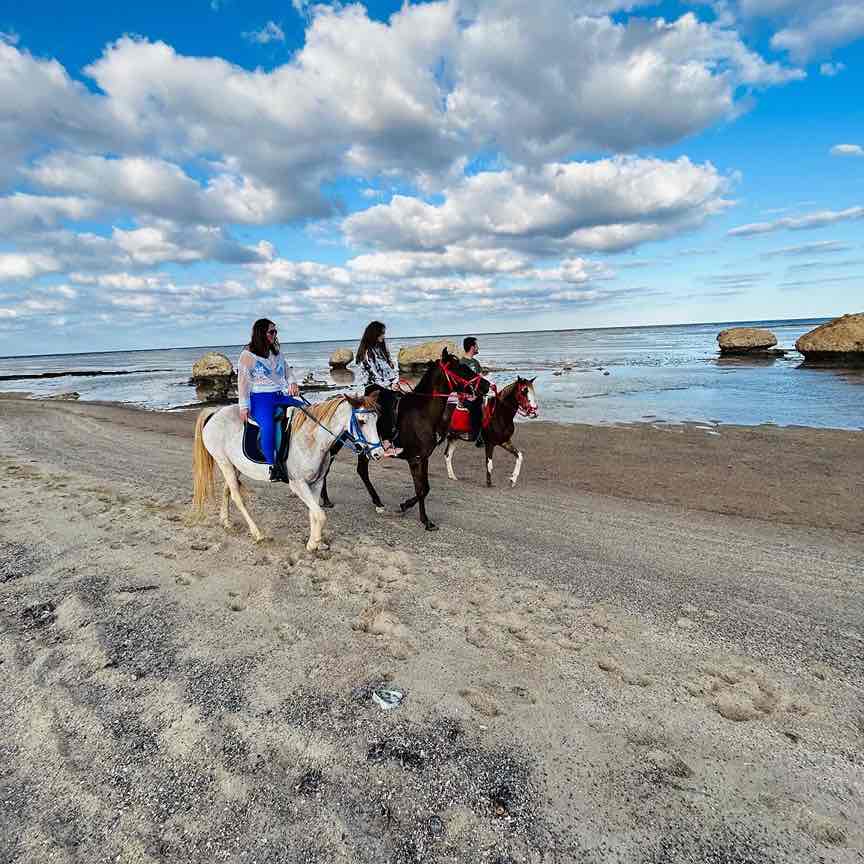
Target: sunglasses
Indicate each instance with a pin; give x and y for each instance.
(272, 332)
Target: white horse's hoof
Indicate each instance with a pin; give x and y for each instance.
(380, 510)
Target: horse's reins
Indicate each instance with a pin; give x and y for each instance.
(352, 438)
(453, 379)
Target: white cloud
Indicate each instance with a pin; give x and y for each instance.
(830, 70)
(608, 205)
(10, 38)
(270, 32)
(821, 247)
(544, 85)
(847, 150)
(809, 29)
(23, 212)
(799, 223)
(14, 265)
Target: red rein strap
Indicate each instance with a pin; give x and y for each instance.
(453, 379)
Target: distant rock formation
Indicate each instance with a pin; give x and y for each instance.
(414, 358)
(341, 357)
(214, 378)
(839, 342)
(745, 340)
(212, 365)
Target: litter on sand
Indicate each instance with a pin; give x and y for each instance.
(387, 699)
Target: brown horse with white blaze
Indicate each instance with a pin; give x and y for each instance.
(516, 398)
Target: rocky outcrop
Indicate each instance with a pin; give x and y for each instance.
(214, 378)
(341, 357)
(415, 358)
(745, 340)
(839, 342)
(212, 365)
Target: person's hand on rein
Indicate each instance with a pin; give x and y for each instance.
(293, 389)
(244, 415)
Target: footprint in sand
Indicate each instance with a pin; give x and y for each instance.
(618, 670)
(741, 693)
(481, 700)
(380, 622)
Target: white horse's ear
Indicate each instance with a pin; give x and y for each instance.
(532, 380)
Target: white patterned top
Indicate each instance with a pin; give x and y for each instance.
(259, 375)
(378, 370)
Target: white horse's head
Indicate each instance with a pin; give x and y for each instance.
(362, 424)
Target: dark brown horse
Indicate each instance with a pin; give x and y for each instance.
(419, 421)
(518, 397)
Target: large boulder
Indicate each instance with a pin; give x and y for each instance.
(839, 341)
(214, 378)
(415, 358)
(212, 365)
(745, 340)
(340, 358)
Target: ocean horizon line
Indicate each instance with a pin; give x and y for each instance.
(431, 336)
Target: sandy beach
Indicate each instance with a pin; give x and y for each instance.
(650, 650)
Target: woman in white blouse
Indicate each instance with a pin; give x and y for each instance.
(381, 377)
(264, 384)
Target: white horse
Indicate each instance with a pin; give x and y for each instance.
(219, 439)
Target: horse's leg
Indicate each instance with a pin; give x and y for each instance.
(508, 446)
(489, 467)
(325, 498)
(317, 516)
(363, 471)
(224, 515)
(422, 474)
(408, 503)
(448, 458)
(229, 472)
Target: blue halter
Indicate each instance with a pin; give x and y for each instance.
(353, 437)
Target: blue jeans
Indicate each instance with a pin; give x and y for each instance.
(262, 407)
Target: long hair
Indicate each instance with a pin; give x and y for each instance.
(370, 340)
(258, 343)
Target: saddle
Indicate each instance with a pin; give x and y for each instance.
(252, 437)
(460, 421)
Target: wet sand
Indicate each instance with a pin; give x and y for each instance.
(650, 650)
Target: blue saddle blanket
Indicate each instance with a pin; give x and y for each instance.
(252, 437)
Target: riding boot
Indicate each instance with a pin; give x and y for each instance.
(479, 442)
(277, 473)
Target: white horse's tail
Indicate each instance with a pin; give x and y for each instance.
(202, 465)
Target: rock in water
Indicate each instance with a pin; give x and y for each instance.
(340, 358)
(840, 341)
(415, 358)
(214, 378)
(66, 397)
(212, 365)
(745, 340)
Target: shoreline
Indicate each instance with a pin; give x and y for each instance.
(797, 475)
(707, 425)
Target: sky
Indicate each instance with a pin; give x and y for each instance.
(173, 171)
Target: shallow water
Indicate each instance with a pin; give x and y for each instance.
(656, 374)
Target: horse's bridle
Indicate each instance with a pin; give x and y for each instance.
(353, 437)
(526, 409)
(454, 380)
